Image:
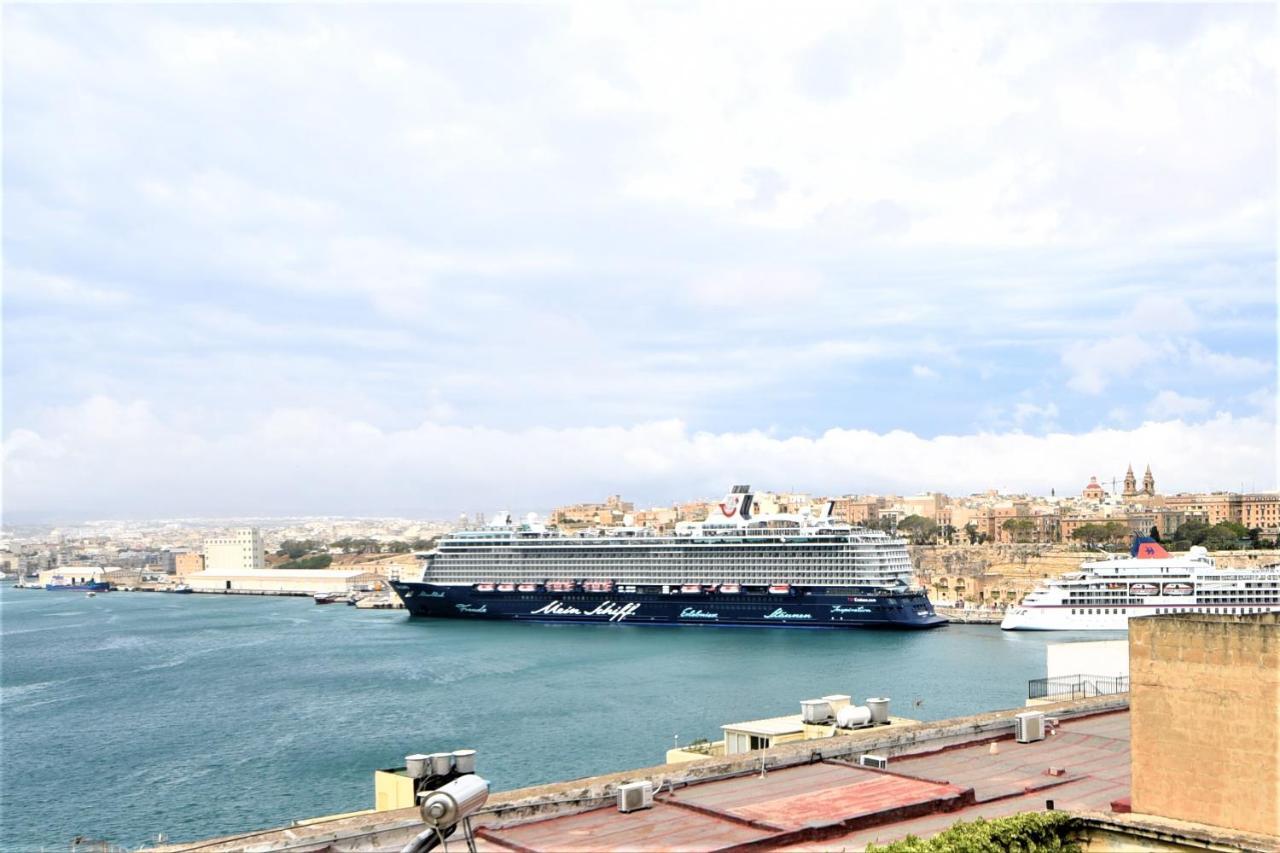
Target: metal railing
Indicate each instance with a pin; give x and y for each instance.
(1076, 686)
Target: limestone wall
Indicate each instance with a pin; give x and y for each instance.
(1205, 718)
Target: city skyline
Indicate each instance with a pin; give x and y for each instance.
(339, 261)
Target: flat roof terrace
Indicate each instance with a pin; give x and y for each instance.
(834, 804)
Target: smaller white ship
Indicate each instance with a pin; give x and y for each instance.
(1105, 594)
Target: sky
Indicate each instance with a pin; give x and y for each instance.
(422, 260)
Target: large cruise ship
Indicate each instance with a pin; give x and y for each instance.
(734, 569)
(1105, 594)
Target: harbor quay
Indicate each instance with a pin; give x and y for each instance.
(1117, 772)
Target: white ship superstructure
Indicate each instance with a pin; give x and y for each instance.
(1105, 594)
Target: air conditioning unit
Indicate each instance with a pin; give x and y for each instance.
(633, 796)
(880, 762)
(1028, 727)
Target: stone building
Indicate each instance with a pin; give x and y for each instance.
(1205, 719)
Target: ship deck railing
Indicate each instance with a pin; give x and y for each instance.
(1079, 686)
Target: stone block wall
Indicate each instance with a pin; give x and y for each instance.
(1205, 718)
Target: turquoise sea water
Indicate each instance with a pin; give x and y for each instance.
(132, 714)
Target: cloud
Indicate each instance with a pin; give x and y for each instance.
(1094, 364)
(302, 460)
(28, 285)
(1171, 404)
(921, 371)
(527, 217)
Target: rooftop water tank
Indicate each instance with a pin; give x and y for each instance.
(464, 760)
(837, 701)
(417, 766)
(879, 710)
(441, 763)
(815, 711)
(853, 716)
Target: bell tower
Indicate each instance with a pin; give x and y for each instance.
(1130, 483)
(1148, 482)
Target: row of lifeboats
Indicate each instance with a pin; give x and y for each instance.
(607, 586)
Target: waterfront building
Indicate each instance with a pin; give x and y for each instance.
(240, 550)
(72, 575)
(1261, 511)
(187, 562)
(283, 581)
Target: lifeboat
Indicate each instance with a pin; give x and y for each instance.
(484, 587)
(690, 588)
(730, 588)
(598, 586)
(560, 586)
(506, 587)
(780, 589)
(528, 587)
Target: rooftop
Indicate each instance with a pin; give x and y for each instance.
(832, 803)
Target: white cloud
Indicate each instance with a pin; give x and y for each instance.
(1171, 404)
(121, 458)
(1094, 364)
(922, 371)
(1225, 364)
(1029, 414)
(35, 286)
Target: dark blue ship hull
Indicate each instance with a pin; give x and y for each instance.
(86, 586)
(798, 609)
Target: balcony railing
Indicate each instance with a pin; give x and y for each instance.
(1066, 687)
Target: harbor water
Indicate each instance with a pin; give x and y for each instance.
(126, 715)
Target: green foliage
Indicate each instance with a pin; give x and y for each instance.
(1020, 528)
(349, 545)
(1223, 536)
(295, 548)
(918, 528)
(319, 561)
(1030, 832)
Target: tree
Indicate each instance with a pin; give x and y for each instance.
(1116, 531)
(971, 530)
(295, 548)
(1019, 528)
(1154, 533)
(918, 528)
(1091, 534)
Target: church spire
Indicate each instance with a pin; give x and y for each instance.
(1148, 482)
(1130, 483)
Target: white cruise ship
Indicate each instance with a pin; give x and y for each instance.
(1105, 594)
(734, 569)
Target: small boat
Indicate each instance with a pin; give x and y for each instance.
(506, 587)
(484, 587)
(90, 594)
(691, 589)
(780, 589)
(325, 598)
(730, 588)
(528, 587)
(180, 589)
